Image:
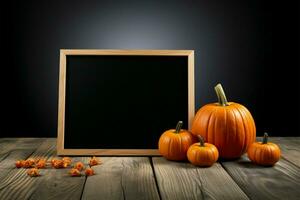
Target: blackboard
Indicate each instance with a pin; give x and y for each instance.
(119, 102)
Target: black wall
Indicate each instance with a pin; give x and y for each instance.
(251, 47)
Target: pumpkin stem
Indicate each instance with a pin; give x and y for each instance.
(178, 127)
(265, 139)
(221, 95)
(201, 140)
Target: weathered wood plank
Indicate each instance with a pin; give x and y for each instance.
(53, 184)
(281, 181)
(17, 184)
(12, 149)
(179, 180)
(129, 178)
(121, 178)
(57, 184)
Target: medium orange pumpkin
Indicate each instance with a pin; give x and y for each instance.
(264, 153)
(174, 143)
(202, 154)
(227, 125)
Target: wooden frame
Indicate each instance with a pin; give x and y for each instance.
(62, 89)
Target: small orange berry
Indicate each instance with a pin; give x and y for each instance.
(41, 163)
(33, 172)
(58, 164)
(28, 163)
(94, 161)
(79, 166)
(75, 172)
(89, 172)
(19, 163)
(67, 161)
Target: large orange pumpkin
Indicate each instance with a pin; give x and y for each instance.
(227, 125)
(174, 143)
(264, 153)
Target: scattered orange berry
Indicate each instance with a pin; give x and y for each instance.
(67, 161)
(58, 164)
(79, 166)
(19, 163)
(94, 161)
(54, 160)
(33, 172)
(89, 172)
(28, 163)
(41, 163)
(36, 160)
(75, 172)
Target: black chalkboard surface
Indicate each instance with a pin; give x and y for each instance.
(122, 102)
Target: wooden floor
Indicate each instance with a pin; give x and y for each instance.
(148, 178)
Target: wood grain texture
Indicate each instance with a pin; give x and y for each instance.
(12, 149)
(281, 181)
(52, 184)
(17, 184)
(121, 178)
(141, 52)
(58, 184)
(184, 181)
(133, 177)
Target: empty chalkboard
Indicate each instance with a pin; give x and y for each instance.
(119, 102)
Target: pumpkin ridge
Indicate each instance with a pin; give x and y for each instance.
(226, 127)
(251, 154)
(227, 138)
(252, 125)
(250, 120)
(208, 123)
(244, 129)
(169, 148)
(235, 124)
(180, 142)
(211, 154)
(218, 134)
(270, 152)
(257, 155)
(214, 130)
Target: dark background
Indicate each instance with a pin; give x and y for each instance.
(251, 47)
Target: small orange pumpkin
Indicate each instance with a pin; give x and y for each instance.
(227, 125)
(174, 143)
(203, 154)
(264, 153)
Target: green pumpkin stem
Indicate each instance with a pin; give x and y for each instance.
(265, 139)
(178, 127)
(201, 140)
(221, 95)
